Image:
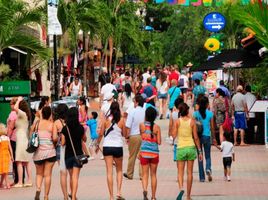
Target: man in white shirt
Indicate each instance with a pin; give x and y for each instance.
(250, 100)
(134, 118)
(106, 89)
(145, 76)
(184, 84)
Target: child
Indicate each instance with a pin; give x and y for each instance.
(5, 156)
(92, 124)
(227, 149)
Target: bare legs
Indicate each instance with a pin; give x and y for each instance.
(181, 166)
(242, 134)
(4, 178)
(162, 107)
(44, 171)
(145, 176)
(74, 176)
(221, 133)
(119, 175)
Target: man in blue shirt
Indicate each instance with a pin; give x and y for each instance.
(224, 89)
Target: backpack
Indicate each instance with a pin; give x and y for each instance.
(181, 82)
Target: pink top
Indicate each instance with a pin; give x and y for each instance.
(12, 117)
(46, 148)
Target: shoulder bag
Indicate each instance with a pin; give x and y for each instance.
(33, 143)
(80, 159)
(228, 123)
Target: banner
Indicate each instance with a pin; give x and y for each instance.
(54, 26)
(196, 2)
(172, 1)
(184, 2)
(159, 1)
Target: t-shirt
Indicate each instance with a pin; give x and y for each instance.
(174, 96)
(92, 124)
(107, 89)
(198, 89)
(76, 133)
(205, 122)
(185, 81)
(239, 100)
(173, 75)
(145, 77)
(227, 149)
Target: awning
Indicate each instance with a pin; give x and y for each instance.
(18, 50)
(232, 58)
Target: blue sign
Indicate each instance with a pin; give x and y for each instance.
(214, 22)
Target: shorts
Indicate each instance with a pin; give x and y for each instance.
(227, 162)
(41, 162)
(93, 143)
(71, 163)
(162, 96)
(186, 153)
(116, 152)
(147, 161)
(184, 90)
(240, 120)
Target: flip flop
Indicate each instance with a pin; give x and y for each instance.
(179, 197)
(118, 197)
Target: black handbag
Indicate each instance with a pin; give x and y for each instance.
(33, 143)
(80, 159)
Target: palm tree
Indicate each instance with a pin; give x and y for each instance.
(15, 15)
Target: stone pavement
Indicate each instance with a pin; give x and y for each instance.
(249, 178)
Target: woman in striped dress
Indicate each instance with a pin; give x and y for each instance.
(45, 156)
(149, 153)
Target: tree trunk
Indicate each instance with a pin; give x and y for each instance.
(110, 53)
(85, 63)
(104, 52)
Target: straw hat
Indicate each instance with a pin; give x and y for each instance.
(189, 64)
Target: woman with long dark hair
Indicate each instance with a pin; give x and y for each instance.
(149, 152)
(162, 90)
(205, 116)
(127, 99)
(185, 130)
(113, 130)
(78, 136)
(59, 123)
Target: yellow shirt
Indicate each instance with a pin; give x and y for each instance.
(185, 137)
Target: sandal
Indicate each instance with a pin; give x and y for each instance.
(179, 197)
(118, 197)
(145, 195)
(17, 186)
(37, 195)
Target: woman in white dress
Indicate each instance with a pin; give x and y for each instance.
(162, 91)
(22, 131)
(127, 99)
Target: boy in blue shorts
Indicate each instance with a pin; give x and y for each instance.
(93, 124)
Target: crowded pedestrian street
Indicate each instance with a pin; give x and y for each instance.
(249, 178)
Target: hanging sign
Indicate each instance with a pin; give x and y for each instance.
(54, 26)
(214, 22)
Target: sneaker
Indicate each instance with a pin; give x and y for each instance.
(228, 178)
(102, 157)
(209, 176)
(91, 158)
(126, 176)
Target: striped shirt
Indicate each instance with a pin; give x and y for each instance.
(46, 148)
(149, 146)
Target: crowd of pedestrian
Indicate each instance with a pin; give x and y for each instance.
(129, 105)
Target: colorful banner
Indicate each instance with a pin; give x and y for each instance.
(207, 2)
(196, 2)
(172, 1)
(184, 2)
(54, 26)
(159, 1)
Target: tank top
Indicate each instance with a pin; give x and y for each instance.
(185, 137)
(149, 146)
(114, 137)
(46, 148)
(75, 89)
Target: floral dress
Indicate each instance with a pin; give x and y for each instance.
(219, 110)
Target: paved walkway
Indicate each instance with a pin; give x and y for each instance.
(249, 178)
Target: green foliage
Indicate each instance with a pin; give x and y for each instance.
(14, 16)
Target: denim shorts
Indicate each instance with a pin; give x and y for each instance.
(162, 96)
(186, 153)
(71, 163)
(240, 120)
